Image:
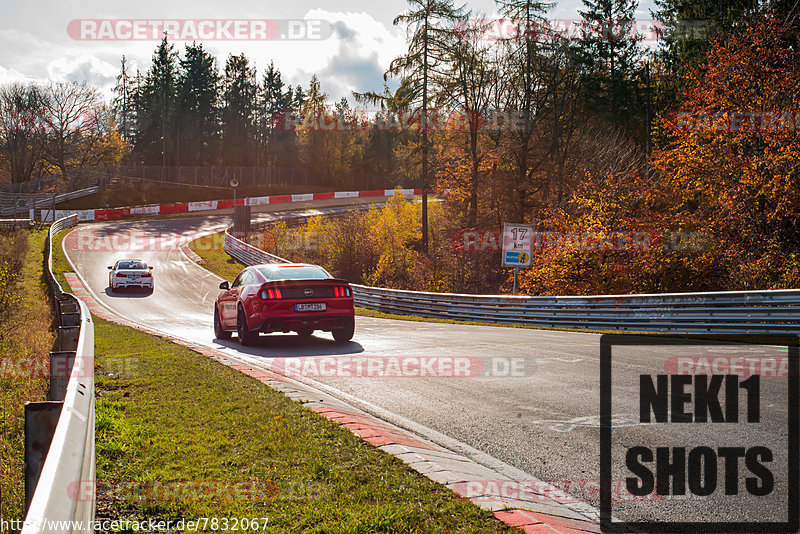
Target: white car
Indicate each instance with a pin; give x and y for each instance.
(130, 273)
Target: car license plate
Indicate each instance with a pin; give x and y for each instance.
(317, 306)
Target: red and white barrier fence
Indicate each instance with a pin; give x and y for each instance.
(109, 214)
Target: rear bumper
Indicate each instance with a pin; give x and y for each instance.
(140, 283)
(295, 323)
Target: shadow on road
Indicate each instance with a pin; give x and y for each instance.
(128, 292)
(292, 345)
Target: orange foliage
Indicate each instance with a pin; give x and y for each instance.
(736, 171)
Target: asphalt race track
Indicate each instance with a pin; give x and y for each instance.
(543, 421)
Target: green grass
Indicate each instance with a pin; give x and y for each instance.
(165, 413)
(60, 263)
(29, 338)
(210, 249)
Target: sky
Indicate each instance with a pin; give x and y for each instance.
(348, 43)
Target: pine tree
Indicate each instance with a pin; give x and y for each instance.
(298, 98)
(123, 105)
(272, 100)
(610, 50)
(430, 24)
(239, 111)
(314, 109)
(689, 27)
(198, 118)
(157, 105)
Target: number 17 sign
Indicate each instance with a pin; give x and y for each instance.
(517, 245)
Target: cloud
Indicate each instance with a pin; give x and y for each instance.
(349, 71)
(84, 68)
(363, 49)
(11, 75)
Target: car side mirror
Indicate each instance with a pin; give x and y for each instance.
(224, 285)
(110, 267)
(150, 267)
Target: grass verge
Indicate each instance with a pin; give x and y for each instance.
(60, 263)
(169, 418)
(181, 436)
(210, 249)
(25, 343)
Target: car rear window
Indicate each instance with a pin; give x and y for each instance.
(304, 272)
(132, 265)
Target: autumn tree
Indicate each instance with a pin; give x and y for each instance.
(524, 52)
(21, 113)
(78, 128)
(732, 154)
(468, 80)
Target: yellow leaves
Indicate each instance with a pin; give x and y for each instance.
(394, 230)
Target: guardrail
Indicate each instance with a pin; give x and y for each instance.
(61, 224)
(59, 434)
(20, 204)
(726, 312)
(247, 253)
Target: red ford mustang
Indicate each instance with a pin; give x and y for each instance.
(283, 298)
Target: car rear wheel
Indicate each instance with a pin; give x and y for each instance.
(345, 333)
(246, 337)
(219, 332)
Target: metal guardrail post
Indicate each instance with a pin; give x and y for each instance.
(41, 419)
(60, 366)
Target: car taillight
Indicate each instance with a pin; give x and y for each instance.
(146, 275)
(341, 291)
(269, 294)
(121, 275)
